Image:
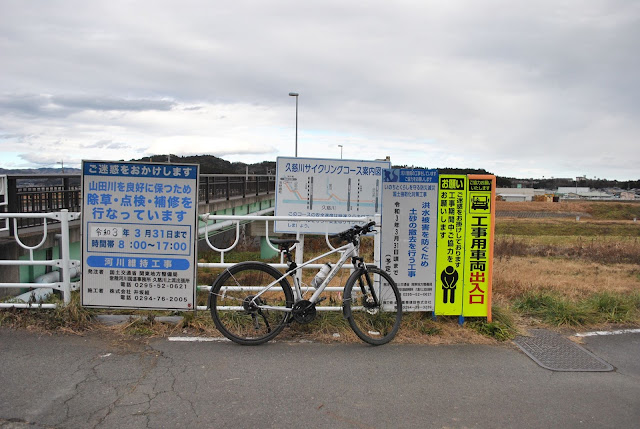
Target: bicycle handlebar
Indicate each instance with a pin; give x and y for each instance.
(350, 234)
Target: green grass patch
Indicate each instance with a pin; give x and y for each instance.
(614, 308)
(603, 307)
(615, 211)
(502, 327)
(554, 309)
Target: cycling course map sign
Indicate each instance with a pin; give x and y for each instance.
(326, 187)
(139, 226)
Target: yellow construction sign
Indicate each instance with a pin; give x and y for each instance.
(450, 245)
(478, 248)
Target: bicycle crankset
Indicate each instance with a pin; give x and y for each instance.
(304, 311)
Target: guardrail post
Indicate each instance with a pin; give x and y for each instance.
(12, 201)
(257, 185)
(64, 256)
(228, 187)
(244, 186)
(67, 189)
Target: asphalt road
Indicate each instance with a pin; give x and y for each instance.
(96, 381)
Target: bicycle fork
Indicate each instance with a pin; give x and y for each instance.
(370, 299)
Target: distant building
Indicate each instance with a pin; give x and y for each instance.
(515, 194)
(627, 195)
(573, 190)
(584, 194)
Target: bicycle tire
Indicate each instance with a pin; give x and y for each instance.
(373, 324)
(240, 323)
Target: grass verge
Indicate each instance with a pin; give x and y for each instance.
(558, 310)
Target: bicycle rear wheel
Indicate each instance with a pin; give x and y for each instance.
(375, 321)
(240, 317)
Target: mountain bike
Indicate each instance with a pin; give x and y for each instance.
(252, 302)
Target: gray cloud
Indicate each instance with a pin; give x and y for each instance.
(65, 105)
(516, 88)
(106, 144)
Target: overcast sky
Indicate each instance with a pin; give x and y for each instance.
(520, 88)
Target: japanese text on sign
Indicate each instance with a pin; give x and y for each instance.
(451, 229)
(326, 188)
(408, 241)
(478, 246)
(140, 218)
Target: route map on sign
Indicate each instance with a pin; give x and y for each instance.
(326, 187)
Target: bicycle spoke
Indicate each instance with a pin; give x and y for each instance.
(239, 313)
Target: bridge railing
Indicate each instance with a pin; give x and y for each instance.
(31, 194)
(227, 186)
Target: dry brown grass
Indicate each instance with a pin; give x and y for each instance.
(535, 206)
(574, 279)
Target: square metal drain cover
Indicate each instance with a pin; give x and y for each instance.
(557, 353)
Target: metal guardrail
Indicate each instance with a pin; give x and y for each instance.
(64, 263)
(298, 248)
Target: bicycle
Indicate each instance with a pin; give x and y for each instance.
(252, 302)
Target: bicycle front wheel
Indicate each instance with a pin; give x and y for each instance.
(373, 306)
(241, 316)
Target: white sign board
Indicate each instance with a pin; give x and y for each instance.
(326, 187)
(409, 232)
(139, 235)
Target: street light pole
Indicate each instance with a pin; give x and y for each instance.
(340, 146)
(295, 94)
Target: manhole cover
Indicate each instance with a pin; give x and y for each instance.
(554, 352)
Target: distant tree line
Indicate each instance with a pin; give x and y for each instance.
(210, 164)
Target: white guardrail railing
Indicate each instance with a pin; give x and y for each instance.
(65, 264)
(226, 221)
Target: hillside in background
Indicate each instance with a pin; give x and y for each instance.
(210, 164)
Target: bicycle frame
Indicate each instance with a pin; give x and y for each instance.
(348, 250)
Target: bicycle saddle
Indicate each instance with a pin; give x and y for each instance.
(284, 241)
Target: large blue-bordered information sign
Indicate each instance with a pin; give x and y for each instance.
(139, 235)
(409, 232)
(328, 188)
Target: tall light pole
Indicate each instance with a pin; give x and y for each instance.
(295, 94)
(340, 146)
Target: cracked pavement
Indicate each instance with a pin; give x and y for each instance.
(102, 381)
